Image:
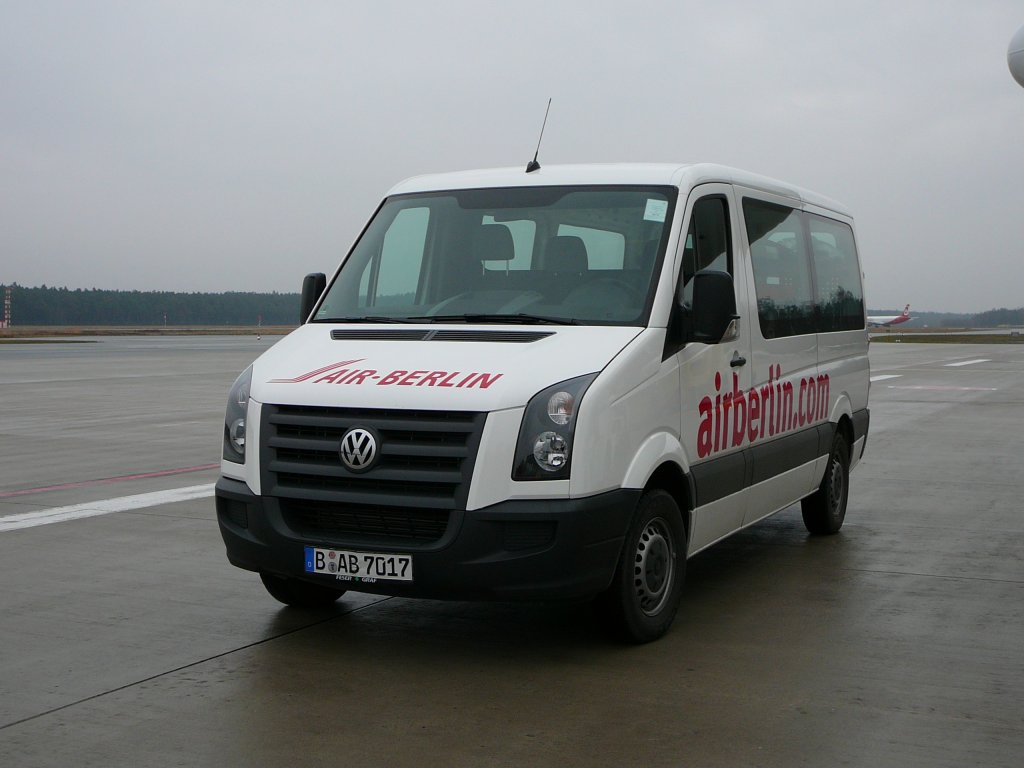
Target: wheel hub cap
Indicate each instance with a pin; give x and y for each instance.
(654, 567)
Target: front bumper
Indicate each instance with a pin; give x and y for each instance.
(536, 549)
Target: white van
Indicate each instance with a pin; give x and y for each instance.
(553, 385)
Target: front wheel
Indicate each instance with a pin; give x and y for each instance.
(299, 594)
(644, 594)
(825, 509)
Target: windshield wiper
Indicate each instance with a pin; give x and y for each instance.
(363, 319)
(519, 318)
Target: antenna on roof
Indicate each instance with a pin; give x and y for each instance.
(533, 165)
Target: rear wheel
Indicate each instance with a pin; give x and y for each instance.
(299, 594)
(825, 510)
(644, 595)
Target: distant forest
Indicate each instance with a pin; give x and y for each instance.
(64, 306)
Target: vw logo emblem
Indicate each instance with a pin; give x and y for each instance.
(358, 449)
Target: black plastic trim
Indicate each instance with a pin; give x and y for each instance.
(524, 549)
(723, 476)
(861, 423)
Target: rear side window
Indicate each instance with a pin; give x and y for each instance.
(782, 273)
(806, 272)
(837, 275)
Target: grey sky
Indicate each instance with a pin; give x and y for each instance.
(212, 146)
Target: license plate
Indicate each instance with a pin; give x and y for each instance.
(369, 567)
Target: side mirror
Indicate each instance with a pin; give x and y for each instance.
(714, 306)
(313, 285)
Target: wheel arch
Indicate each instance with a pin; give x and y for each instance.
(842, 416)
(845, 427)
(671, 478)
(842, 409)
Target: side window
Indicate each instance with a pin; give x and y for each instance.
(398, 266)
(837, 275)
(708, 243)
(782, 274)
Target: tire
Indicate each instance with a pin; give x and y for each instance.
(643, 598)
(825, 509)
(299, 594)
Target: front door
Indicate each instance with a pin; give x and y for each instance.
(715, 377)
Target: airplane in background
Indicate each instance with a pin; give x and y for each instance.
(887, 320)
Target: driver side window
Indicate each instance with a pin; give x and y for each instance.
(708, 242)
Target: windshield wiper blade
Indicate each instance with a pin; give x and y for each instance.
(363, 319)
(519, 318)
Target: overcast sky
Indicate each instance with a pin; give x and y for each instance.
(214, 146)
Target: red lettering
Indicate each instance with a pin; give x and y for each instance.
(823, 396)
(360, 376)
(430, 379)
(332, 377)
(484, 380)
(409, 380)
(718, 408)
(446, 382)
(786, 417)
(755, 413)
(739, 412)
(391, 378)
(766, 391)
(775, 407)
(704, 430)
(726, 403)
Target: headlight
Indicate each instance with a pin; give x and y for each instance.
(234, 418)
(544, 449)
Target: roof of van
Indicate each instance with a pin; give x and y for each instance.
(674, 174)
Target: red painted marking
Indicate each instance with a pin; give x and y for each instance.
(108, 480)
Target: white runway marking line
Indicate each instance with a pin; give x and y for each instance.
(884, 376)
(967, 362)
(939, 388)
(103, 507)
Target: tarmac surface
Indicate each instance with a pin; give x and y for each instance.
(127, 639)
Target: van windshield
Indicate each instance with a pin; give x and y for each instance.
(564, 255)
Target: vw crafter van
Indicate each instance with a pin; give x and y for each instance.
(553, 385)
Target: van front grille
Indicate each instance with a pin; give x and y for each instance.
(422, 473)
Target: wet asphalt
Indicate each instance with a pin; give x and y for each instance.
(126, 639)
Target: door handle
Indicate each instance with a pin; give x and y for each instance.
(738, 361)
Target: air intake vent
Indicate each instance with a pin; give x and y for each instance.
(380, 334)
(402, 334)
(502, 337)
(313, 519)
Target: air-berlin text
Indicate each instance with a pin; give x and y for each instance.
(765, 411)
(347, 373)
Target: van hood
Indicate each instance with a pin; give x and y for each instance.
(466, 368)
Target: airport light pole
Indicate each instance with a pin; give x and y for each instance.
(1015, 57)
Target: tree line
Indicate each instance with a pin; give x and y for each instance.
(64, 306)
